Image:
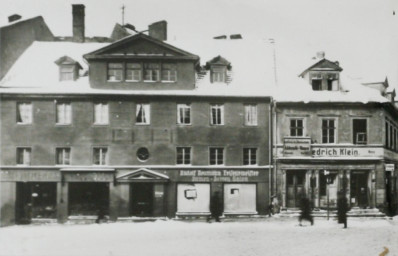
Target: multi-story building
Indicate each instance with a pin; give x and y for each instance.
(334, 134)
(138, 127)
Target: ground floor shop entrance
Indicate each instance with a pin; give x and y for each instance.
(359, 189)
(141, 199)
(35, 200)
(88, 198)
(295, 187)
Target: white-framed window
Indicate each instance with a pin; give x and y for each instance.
(250, 156)
(328, 131)
(183, 156)
(133, 72)
(183, 114)
(216, 156)
(359, 131)
(296, 127)
(115, 72)
(101, 113)
(24, 156)
(218, 74)
(67, 73)
(169, 72)
(24, 113)
(251, 115)
(142, 114)
(151, 72)
(217, 114)
(100, 156)
(63, 156)
(63, 113)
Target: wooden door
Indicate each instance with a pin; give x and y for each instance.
(295, 181)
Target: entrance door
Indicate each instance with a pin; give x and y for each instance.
(295, 181)
(141, 199)
(359, 189)
(88, 198)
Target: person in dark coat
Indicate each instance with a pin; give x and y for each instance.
(305, 214)
(342, 208)
(216, 206)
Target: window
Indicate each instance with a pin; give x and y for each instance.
(217, 114)
(216, 156)
(296, 127)
(67, 73)
(316, 84)
(64, 113)
(24, 113)
(359, 128)
(251, 115)
(218, 74)
(183, 155)
(100, 156)
(101, 113)
(169, 72)
(249, 156)
(328, 131)
(387, 131)
(183, 114)
(63, 156)
(151, 72)
(115, 71)
(142, 114)
(133, 72)
(24, 156)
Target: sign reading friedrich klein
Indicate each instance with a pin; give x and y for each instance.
(220, 175)
(297, 147)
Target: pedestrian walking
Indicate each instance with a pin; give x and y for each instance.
(342, 208)
(215, 207)
(305, 214)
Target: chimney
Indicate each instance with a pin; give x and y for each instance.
(220, 37)
(14, 17)
(235, 36)
(320, 55)
(158, 30)
(78, 23)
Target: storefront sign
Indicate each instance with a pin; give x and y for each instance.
(297, 147)
(390, 167)
(346, 152)
(219, 175)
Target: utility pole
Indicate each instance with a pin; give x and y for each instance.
(123, 7)
(272, 41)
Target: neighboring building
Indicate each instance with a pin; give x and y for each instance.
(336, 135)
(19, 35)
(139, 127)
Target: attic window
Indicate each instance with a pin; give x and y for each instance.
(218, 74)
(218, 69)
(68, 68)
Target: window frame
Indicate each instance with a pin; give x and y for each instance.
(216, 154)
(102, 104)
(162, 69)
(184, 154)
(184, 106)
(248, 108)
(296, 128)
(354, 141)
(64, 113)
(334, 130)
(148, 122)
(250, 157)
(145, 69)
(219, 107)
(61, 150)
(100, 157)
(18, 149)
(108, 68)
(18, 114)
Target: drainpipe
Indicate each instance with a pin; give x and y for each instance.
(270, 155)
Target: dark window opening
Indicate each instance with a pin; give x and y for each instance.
(330, 85)
(328, 131)
(316, 84)
(296, 127)
(359, 127)
(88, 198)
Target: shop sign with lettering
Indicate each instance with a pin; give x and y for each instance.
(390, 167)
(297, 147)
(347, 152)
(221, 175)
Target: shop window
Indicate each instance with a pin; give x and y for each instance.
(217, 114)
(251, 115)
(151, 72)
(24, 113)
(359, 127)
(142, 114)
(249, 156)
(190, 193)
(240, 198)
(100, 156)
(115, 72)
(183, 155)
(216, 156)
(183, 114)
(328, 131)
(24, 156)
(63, 113)
(101, 113)
(316, 84)
(169, 72)
(296, 127)
(133, 72)
(193, 198)
(63, 156)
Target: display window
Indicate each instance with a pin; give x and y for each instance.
(240, 198)
(193, 198)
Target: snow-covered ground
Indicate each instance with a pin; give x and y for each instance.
(273, 236)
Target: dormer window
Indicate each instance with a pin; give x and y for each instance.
(169, 72)
(151, 72)
(115, 72)
(133, 72)
(218, 69)
(68, 68)
(218, 74)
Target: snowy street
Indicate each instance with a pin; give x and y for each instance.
(274, 236)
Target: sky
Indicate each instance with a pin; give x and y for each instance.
(361, 34)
